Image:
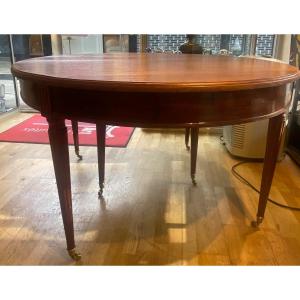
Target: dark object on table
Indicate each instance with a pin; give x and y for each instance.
(191, 47)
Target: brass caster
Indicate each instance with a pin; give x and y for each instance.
(256, 223)
(79, 156)
(74, 254)
(194, 180)
(100, 193)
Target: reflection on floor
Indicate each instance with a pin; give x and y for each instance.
(151, 214)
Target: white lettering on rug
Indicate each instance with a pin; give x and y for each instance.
(35, 129)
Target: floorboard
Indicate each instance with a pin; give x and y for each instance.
(151, 213)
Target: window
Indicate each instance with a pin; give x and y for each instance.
(8, 100)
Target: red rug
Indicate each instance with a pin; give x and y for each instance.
(35, 130)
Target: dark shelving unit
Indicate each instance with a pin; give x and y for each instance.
(293, 140)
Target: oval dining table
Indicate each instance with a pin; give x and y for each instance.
(154, 90)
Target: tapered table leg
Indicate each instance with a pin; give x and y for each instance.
(60, 154)
(75, 138)
(275, 132)
(194, 151)
(101, 133)
(187, 138)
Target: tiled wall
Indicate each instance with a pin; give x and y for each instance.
(264, 45)
(209, 41)
(167, 41)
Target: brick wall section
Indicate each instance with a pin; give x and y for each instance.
(167, 41)
(209, 41)
(173, 41)
(264, 45)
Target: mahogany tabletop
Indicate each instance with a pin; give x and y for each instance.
(156, 72)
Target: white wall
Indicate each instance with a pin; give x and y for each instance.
(283, 47)
(82, 44)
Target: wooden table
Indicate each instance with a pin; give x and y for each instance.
(153, 90)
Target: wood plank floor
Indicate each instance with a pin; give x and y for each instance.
(152, 214)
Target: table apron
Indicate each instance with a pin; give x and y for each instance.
(176, 109)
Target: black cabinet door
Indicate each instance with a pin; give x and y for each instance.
(293, 140)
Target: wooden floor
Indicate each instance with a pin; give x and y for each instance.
(151, 215)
